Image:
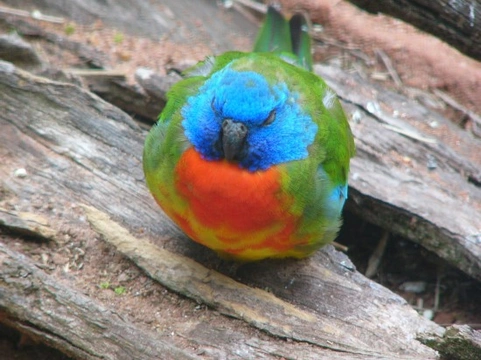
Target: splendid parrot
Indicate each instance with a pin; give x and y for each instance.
(250, 156)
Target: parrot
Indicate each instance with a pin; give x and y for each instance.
(250, 155)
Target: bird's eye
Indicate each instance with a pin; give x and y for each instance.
(213, 106)
(270, 119)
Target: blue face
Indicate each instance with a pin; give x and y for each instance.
(268, 125)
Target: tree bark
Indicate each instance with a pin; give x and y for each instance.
(51, 313)
(409, 182)
(456, 22)
(82, 158)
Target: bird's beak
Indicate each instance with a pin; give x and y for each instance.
(233, 139)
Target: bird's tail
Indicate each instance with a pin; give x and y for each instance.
(286, 37)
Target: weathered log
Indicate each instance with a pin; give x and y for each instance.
(48, 312)
(18, 51)
(51, 313)
(458, 342)
(262, 309)
(456, 22)
(150, 19)
(69, 139)
(26, 224)
(415, 173)
(88, 54)
(132, 98)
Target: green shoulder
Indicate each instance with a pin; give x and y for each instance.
(166, 142)
(333, 146)
(335, 137)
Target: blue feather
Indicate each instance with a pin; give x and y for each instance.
(247, 97)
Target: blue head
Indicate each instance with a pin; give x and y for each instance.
(239, 116)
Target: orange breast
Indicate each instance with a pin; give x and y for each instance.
(231, 209)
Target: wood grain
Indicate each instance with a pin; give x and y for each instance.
(456, 22)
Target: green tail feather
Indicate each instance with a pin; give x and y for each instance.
(280, 36)
(274, 35)
(301, 41)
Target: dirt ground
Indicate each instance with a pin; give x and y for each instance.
(356, 41)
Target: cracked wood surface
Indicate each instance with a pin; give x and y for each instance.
(392, 183)
(52, 313)
(78, 149)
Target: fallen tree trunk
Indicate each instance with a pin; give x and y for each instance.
(47, 311)
(408, 177)
(456, 22)
(78, 149)
(416, 180)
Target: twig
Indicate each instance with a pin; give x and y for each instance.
(340, 247)
(450, 101)
(261, 8)
(95, 72)
(410, 134)
(247, 13)
(389, 66)
(376, 256)
(456, 105)
(35, 14)
(437, 293)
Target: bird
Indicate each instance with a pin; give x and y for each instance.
(250, 155)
